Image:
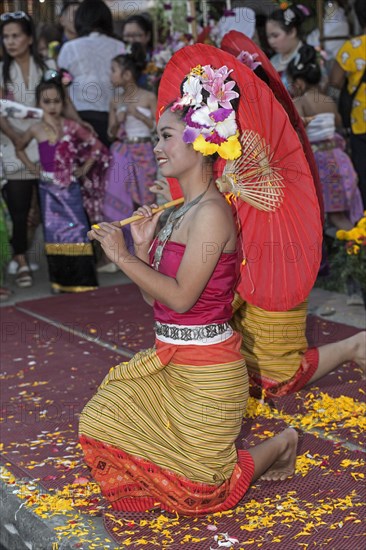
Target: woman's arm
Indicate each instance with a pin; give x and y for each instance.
(209, 233)
(24, 140)
(112, 120)
(81, 171)
(337, 76)
(299, 105)
(10, 131)
(149, 121)
(142, 253)
(7, 128)
(70, 112)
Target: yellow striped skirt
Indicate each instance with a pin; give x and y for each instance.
(178, 409)
(274, 345)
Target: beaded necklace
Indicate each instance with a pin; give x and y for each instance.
(173, 222)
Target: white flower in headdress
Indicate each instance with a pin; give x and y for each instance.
(193, 88)
(288, 16)
(192, 93)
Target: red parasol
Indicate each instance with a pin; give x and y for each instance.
(281, 248)
(235, 42)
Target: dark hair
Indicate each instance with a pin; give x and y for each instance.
(49, 33)
(27, 26)
(144, 22)
(66, 6)
(93, 16)
(360, 10)
(50, 85)
(134, 61)
(290, 18)
(305, 65)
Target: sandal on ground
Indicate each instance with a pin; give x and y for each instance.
(23, 277)
(354, 300)
(108, 268)
(5, 294)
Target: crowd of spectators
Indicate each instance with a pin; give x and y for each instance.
(107, 97)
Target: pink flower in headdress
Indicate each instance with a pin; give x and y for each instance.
(304, 9)
(249, 60)
(221, 93)
(209, 74)
(66, 77)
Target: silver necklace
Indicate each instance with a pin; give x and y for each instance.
(175, 218)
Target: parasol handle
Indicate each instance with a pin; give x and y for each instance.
(164, 206)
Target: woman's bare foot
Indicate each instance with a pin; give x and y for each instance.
(358, 343)
(284, 465)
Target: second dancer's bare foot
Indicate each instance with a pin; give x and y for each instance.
(358, 342)
(284, 465)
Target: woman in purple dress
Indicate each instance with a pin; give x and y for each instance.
(69, 155)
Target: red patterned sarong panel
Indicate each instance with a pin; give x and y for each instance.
(135, 484)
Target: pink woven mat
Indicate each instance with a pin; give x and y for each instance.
(50, 373)
(48, 376)
(325, 505)
(116, 314)
(320, 331)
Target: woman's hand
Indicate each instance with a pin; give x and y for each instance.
(111, 239)
(143, 231)
(307, 119)
(161, 187)
(88, 127)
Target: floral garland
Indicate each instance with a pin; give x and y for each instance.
(161, 56)
(350, 258)
(211, 124)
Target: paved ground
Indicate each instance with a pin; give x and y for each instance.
(39, 534)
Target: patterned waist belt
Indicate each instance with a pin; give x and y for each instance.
(137, 140)
(50, 177)
(194, 334)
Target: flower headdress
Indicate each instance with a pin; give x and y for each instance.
(62, 76)
(211, 123)
(289, 14)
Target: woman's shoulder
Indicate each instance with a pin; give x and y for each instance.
(214, 211)
(147, 96)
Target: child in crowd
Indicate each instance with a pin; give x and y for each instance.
(67, 152)
(284, 35)
(131, 124)
(342, 198)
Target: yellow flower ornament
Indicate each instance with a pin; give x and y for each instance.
(210, 117)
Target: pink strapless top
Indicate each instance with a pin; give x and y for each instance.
(47, 152)
(214, 304)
